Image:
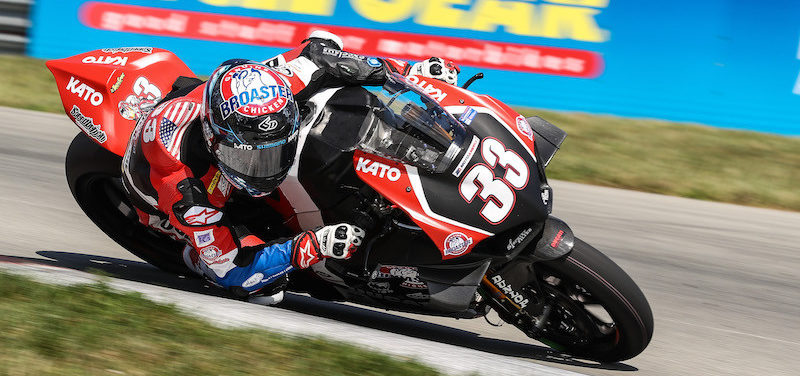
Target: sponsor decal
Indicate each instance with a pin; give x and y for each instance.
(125, 50)
(84, 92)
(524, 127)
(473, 146)
(201, 216)
(378, 169)
(210, 254)
(381, 272)
(117, 84)
(456, 244)
(506, 288)
(213, 183)
(468, 116)
(557, 239)
(512, 243)
(87, 125)
(253, 90)
(374, 62)
(108, 60)
(204, 238)
(427, 88)
(380, 287)
(144, 97)
(222, 265)
(253, 280)
(414, 284)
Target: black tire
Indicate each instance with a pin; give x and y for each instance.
(588, 273)
(93, 175)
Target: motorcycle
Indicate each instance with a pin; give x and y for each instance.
(449, 185)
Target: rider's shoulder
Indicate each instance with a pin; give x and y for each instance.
(166, 125)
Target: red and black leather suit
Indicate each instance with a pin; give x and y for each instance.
(175, 184)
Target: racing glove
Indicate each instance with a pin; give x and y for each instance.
(337, 241)
(438, 68)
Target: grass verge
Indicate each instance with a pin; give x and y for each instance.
(678, 159)
(89, 329)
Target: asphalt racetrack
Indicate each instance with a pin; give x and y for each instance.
(723, 280)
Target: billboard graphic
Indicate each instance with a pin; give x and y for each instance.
(725, 63)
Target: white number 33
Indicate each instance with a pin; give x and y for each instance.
(498, 194)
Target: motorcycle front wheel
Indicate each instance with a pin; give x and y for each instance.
(589, 307)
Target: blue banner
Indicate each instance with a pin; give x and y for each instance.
(725, 63)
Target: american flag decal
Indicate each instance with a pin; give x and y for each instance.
(177, 115)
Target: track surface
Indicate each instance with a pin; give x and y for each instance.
(722, 279)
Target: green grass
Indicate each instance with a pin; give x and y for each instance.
(89, 329)
(27, 83)
(648, 155)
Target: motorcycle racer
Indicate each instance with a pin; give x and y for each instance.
(239, 130)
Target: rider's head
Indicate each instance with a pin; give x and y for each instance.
(250, 125)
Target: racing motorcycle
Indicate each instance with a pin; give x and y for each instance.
(450, 186)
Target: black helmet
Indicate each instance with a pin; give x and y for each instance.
(250, 124)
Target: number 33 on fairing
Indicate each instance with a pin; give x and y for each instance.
(498, 194)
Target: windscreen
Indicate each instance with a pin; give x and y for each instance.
(409, 126)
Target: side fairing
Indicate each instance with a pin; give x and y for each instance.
(403, 185)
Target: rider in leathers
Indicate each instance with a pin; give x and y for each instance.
(239, 130)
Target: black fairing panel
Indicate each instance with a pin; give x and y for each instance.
(328, 176)
(528, 206)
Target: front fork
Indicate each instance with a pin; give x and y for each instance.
(514, 290)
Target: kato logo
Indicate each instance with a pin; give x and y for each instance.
(87, 125)
(201, 216)
(117, 84)
(84, 92)
(107, 60)
(428, 88)
(513, 243)
(378, 169)
(524, 127)
(210, 254)
(253, 90)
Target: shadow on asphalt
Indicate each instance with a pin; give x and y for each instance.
(145, 273)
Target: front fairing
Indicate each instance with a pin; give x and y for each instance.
(487, 195)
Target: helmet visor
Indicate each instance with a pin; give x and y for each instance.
(258, 161)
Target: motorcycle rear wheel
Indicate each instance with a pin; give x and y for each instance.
(93, 174)
(597, 311)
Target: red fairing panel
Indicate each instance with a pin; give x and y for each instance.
(393, 180)
(105, 91)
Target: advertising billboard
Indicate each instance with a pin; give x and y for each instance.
(725, 63)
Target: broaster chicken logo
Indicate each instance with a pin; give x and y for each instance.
(253, 90)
